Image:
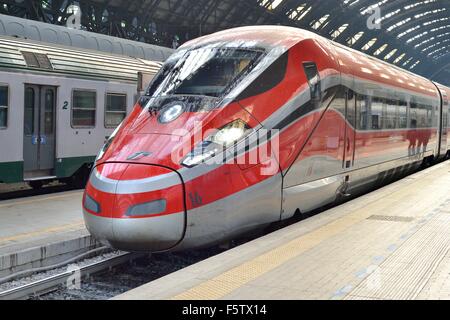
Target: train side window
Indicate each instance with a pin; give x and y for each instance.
(363, 113)
(84, 106)
(403, 114)
(390, 117)
(115, 109)
(430, 114)
(377, 113)
(339, 100)
(446, 104)
(351, 116)
(4, 106)
(420, 114)
(414, 114)
(312, 74)
(423, 116)
(29, 111)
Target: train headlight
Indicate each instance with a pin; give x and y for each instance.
(171, 113)
(231, 133)
(108, 143)
(218, 142)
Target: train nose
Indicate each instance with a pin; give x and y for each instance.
(135, 207)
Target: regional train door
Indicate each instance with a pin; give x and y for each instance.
(39, 132)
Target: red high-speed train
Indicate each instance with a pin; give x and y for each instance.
(248, 126)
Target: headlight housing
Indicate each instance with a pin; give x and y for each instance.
(108, 143)
(171, 112)
(216, 143)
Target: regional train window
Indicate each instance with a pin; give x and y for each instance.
(115, 110)
(49, 123)
(29, 111)
(84, 105)
(4, 105)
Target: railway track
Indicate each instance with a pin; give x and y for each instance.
(54, 282)
(101, 277)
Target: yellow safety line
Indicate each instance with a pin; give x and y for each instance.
(233, 279)
(10, 204)
(76, 225)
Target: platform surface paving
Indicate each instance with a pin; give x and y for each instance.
(390, 244)
(30, 221)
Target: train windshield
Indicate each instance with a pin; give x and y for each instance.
(210, 72)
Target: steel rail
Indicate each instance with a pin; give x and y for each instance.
(52, 283)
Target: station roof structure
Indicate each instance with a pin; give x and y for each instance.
(413, 34)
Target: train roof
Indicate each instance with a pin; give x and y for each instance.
(445, 91)
(58, 35)
(357, 63)
(252, 36)
(368, 68)
(34, 56)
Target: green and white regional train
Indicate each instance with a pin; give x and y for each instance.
(58, 104)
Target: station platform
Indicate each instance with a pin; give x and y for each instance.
(42, 230)
(392, 243)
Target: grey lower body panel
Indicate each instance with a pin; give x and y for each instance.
(142, 234)
(322, 191)
(250, 209)
(311, 195)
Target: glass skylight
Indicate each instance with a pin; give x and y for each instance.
(419, 3)
(380, 50)
(317, 24)
(339, 31)
(390, 54)
(414, 65)
(407, 62)
(352, 40)
(370, 8)
(400, 58)
(297, 11)
(369, 44)
(270, 4)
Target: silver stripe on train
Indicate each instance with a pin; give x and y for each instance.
(300, 99)
(160, 182)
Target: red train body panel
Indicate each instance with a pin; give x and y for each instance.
(244, 128)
